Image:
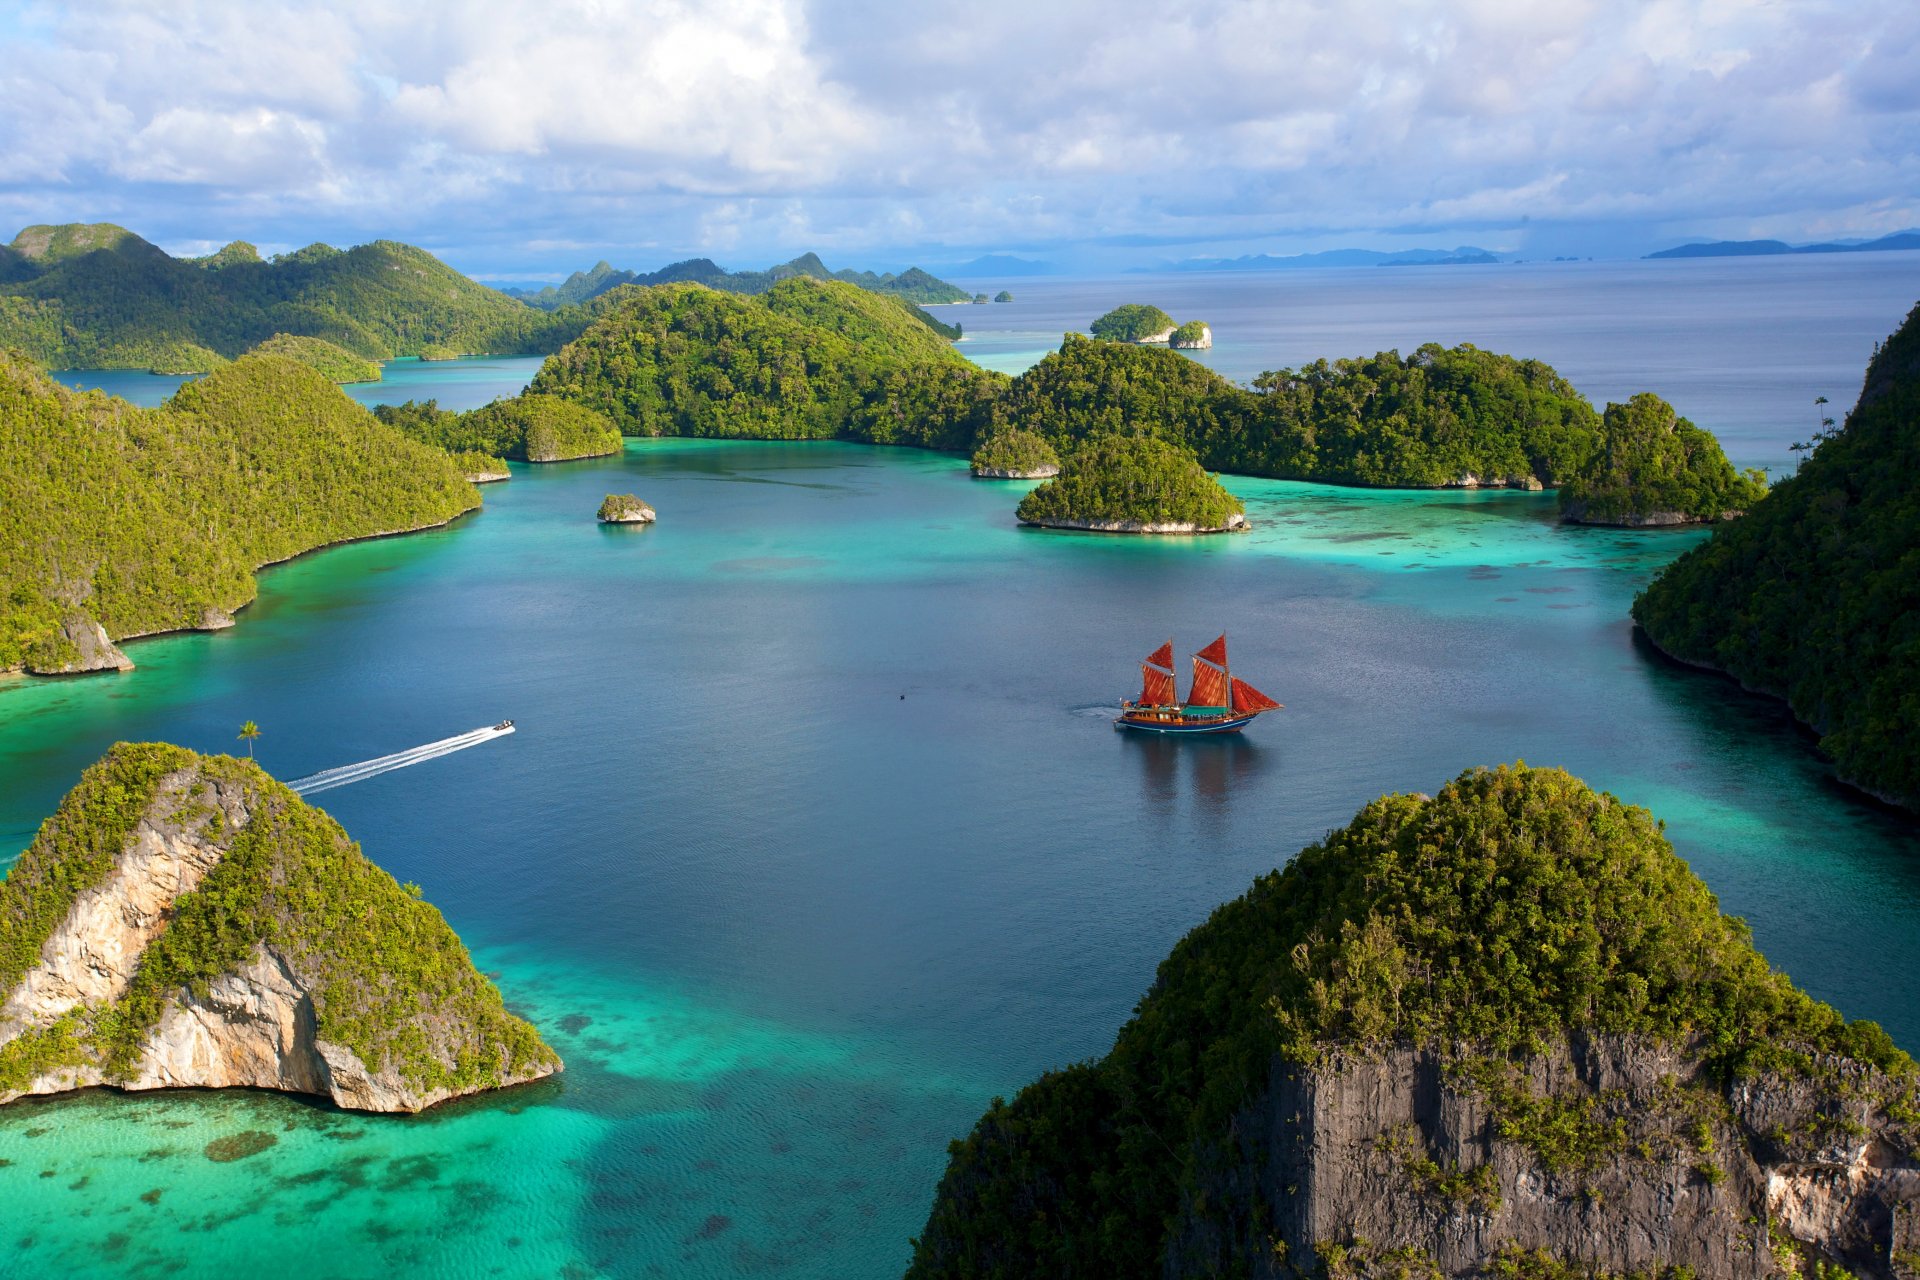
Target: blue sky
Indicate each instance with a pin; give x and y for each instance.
(523, 141)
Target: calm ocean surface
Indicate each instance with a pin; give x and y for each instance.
(815, 836)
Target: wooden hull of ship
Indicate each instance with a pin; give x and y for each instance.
(1184, 725)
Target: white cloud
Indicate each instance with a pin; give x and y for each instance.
(756, 126)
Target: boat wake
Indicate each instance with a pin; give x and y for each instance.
(328, 779)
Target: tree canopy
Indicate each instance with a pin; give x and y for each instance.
(145, 519)
(1653, 466)
(1814, 596)
(334, 363)
(1131, 322)
(1131, 479)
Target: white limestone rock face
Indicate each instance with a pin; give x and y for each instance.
(257, 1025)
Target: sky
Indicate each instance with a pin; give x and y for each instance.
(523, 141)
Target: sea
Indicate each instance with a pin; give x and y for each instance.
(814, 835)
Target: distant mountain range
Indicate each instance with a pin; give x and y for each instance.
(1465, 255)
(912, 285)
(1000, 264)
(1769, 248)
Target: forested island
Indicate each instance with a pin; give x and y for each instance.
(1132, 484)
(100, 297)
(185, 921)
(911, 285)
(807, 360)
(334, 363)
(1008, 453)
(1133, 322)
(524, 428)
(1500, 1031)
(1653, 467)
(117, 521)
(1814, 597)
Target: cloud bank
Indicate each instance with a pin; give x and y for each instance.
(517, 138)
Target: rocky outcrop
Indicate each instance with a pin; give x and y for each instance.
(80, 645)
(489, 476)
(1046, 471)
(624, 508)
(1420, 1153)
(285, 1012)
(1184, 339)
(1468, 480)
(1235, 523)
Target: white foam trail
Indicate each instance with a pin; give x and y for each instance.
(340, 776)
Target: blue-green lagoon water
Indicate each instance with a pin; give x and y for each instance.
(814, 834)
(466, 383)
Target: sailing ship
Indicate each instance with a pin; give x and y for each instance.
(1217, 701)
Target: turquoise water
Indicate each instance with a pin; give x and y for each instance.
(814, 835)
(466, 383)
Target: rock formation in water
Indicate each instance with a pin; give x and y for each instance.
(1502, 1031)
(1194, 335)
(187, 921)
(1653, 469)
(624, 508)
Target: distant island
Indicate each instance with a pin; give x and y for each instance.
(1500, 1031)
(118, 522)
(913, 284)
(334, 363)
(1813, 597)
(1465, 255)
(1133, 484)
(185, 921)
(1772, 248)
(1652, 468)
(99, 297)
(1133, 322)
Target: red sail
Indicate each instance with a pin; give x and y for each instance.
(1209, 686)
(1215, 653)
(1163, 656)
(1248, 698)
(1156, 687)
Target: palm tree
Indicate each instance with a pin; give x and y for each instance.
(248, 732)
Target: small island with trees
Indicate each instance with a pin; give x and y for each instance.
(1011, 454)
(1133, 484)
(1133, 322)
(524, 428)
(1654, 468)
(624, 508)
(1194, 335)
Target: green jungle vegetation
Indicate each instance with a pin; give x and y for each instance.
(525, 428)
(911, 285)
(334, 363)
(1651, 461)
(145, 519)
(475, 465)
(1134, 478)
(391, 981)
(1423, 421)
(1513, 908)
(1008, 449)
(807, 360)
(1131, 322)
(100, 297)
(1814, 596)
(1190, 332)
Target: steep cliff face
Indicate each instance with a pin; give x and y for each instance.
(187, 921)
(1503, 1032)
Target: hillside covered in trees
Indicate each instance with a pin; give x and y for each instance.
(117, 521)
(1653, 467)
(525, 428)
(912, 285)
(1132, 484)
(101, 297)
(807, 360)
(1499, 1031)
(1814, 596)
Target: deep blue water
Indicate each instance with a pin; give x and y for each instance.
(814, 834)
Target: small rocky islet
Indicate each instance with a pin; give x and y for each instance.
(624, 508)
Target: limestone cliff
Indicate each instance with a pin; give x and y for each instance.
(1502, 1031)
(187, 921)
